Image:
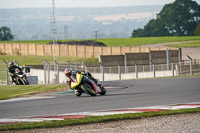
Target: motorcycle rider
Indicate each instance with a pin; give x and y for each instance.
(72, 78)
(11, 70)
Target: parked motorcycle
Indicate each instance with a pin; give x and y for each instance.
(86, 85)
(20, 77)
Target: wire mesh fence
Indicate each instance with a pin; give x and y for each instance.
(53, 72)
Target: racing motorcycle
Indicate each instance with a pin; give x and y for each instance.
(85, 84)
(20, 77)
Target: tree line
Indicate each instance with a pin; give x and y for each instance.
(180, 18)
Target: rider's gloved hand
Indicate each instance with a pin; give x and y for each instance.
(82, 73)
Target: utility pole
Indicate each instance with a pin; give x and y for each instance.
(54, 30)
(96, 34)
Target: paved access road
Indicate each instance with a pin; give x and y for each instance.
(139, 93)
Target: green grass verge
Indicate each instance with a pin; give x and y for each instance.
(123, 41)
(36, 60)
(95, 119)
(30, 41)
(144, 40)
(190, 44)
(12, 91)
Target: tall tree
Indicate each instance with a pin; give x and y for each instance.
(179, 18)
(5, 34)
(197, 30)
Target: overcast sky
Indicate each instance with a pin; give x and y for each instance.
(80, 3)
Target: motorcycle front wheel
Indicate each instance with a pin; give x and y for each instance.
(26, 81)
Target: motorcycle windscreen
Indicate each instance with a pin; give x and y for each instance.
(78, 81)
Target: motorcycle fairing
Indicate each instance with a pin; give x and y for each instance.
(78, 81)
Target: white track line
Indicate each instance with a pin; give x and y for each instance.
(25, 99)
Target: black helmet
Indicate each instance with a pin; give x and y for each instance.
(11, 63)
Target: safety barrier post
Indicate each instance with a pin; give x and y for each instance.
(136, 70)
(172, 66)
(57, 71)
(102, 71)
(154, 72)
(167, 58)
(150, 61)
(179, 54)
(119, 71)
(86, 70)
(48, 69)
(191, 72)
(44, 66)
(125, 63)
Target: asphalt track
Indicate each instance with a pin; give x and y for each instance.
(124, 94)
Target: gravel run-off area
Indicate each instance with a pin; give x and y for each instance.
(182, 123)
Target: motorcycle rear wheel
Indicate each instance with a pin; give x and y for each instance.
(103, 91)
(89, 89)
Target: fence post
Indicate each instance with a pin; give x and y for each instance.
(86, 70)
(167, 58)
(44, 66)
(125, 63)
(57, 75)
(177, 67)
(172, 66)
(76, 51)
(119, 71)
(191, 72)
(102, 71)
(150, 61)
(136, 70)
(48, 71)
(180, 60)
(4, 48)
(7, 82)
(179, 54)
(172, 69)
(180, 68)
(154, 72)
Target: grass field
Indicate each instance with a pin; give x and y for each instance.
(123, 41)
(145, 40)
(190, 44)
(36, 60)
(7, 92)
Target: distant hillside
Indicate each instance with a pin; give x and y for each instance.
(79, 23)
